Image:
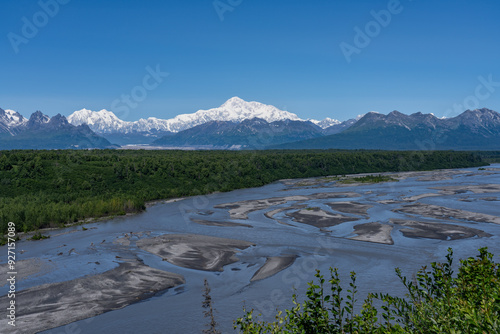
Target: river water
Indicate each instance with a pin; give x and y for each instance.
(179, 310)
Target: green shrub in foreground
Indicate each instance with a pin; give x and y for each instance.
(436, 302)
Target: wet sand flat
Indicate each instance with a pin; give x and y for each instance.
(374, 232)
(440, 175)
(344, 194)
(439, 231)
(28, 267)
(272, 213)
(219, 223)
(194, 251)
(52, 305)
(319, 218)
(241, 209)
(417, 197)
(389, 201)
(273, 265)
(476, 189)
(489, 199)
(441, 212)
(350, 207)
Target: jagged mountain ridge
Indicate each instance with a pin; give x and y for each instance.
(10, 121)
(42, 132)
(472, 130)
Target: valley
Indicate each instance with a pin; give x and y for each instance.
(254, 247)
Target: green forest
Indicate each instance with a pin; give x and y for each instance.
(52, 188)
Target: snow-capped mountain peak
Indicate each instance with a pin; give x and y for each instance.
(235, 109)
(14, 118)
(233, 102)
(11, 121)
(326, 123)
(93, 117)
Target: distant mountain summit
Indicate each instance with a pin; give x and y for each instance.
(480, 121)
(102, 121)
(235, 110)
(326, 123)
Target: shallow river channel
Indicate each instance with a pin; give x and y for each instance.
(144, 273)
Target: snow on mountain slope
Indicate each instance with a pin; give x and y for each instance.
(326, 123)
(11, 121)
(14, 118)
(234, 110)
(102, 121)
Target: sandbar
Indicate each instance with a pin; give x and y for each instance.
(56, 304)
(441, 212)
(194, 251)
(476, 189)
(28, 267)
(374, 232)
(319, 218)
(273, 265)
(440, 231)
(350, 207)
(417, 197)
(219, 223)
(241, 209)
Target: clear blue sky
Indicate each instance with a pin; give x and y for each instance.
(281, 52)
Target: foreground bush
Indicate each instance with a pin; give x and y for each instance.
(436, 302)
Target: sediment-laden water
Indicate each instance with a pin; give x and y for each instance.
(144, 273)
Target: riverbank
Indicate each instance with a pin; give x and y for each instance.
(256, 253)
(66, 187)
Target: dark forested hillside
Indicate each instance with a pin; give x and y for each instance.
(52, 188)
(472, 130)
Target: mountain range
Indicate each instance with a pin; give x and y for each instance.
(144, 131)
(255, 133)
(43, 132)
(238, 124)
(472, 130)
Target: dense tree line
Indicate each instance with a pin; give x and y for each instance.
(490, 156)
(51, 188)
